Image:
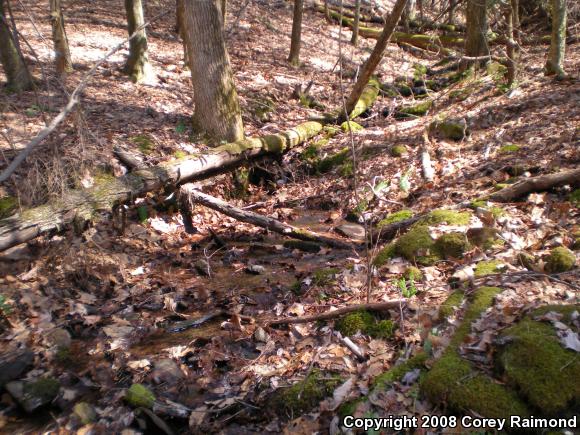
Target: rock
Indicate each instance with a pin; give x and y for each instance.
(560, 260)
(167, 371)
(32, 395)
(202, 267)
(455, 129)
(398, 150)
(85, 412)
(255, 269)
(483, 237)
(261, 335)
(452, 245)
(139, 396)
(13, 363)
(59, 338)
(351, 230)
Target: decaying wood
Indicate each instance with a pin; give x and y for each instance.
(131, 160)
(263, 221)
(537, 184)
(333, 314)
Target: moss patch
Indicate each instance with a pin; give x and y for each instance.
(575, 197)
(354, 127)
(139, 396)
(145, 143)
(330, 162)
(306, 394)
(450, 217)
(450, 129)
(560, 260)
(395, 217)
(420, 109)
(484, 237)
(452, 245)
(302, 245)
(366, 323)
(384, 255)
(488, 267)
(324, 277)
(417, 245)
(44, 388)
(396, 373)
(539, 366)
(413, 273)
(453, 301)
(398, 150)
(8, 206)
(509, 148)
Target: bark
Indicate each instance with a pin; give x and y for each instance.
(261, 220)
(511, 47)
(537, 184)
(515, 5)
(355, 27)
(555, 62)
(294, 57)
(181, 29)
(137, 66)
(17, 75)
(61, 49)
(224, 11)
(452, 4)
(217, 109)
(477, 26)
(408, 14)
(370, 65)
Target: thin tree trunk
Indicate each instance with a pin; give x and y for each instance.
(181, 30)
(555, 62)
(294, 57)
(137, 66)
(476, 41)
(224, 11)
(511, 47)
(18, 76)
(326, 10)
(61, 48)
(408, 14)
(515, 4)
(452, 4)
(375, 57)
(354, 39)
(217, 109)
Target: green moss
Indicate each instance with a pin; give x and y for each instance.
(355, 322)
(488, 267)
(560, 260)
(323, 277)
(509, 148)
(85, 413)
(330, 131)
(398, 216)
(8, 206)
(347, 169)
(419, 71)
(179, 154)
(450, 129)
(354, 127)
(575, 197)
(398, 150)
(453, 301)
(139, 396)
(417, 245)
(420, 109)
(452, 245)
(396, 373)
(302, 245)
(450, 217)
(337, 159)
(413, 273)
(539, 366)
(144, 142)
(385, 255)
(367, 98)
(103, 177)
(350, 407)
(306, 394)
(44, 388)
(63, 355)
(382, 329)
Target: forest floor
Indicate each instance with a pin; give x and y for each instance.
(96, 309)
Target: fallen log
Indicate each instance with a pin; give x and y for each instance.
(333, 314)
(261, 220)
(537, 184)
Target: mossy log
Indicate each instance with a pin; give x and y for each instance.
(537, 184)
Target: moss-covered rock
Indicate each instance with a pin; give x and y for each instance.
(484, 237)
(330, 131)
(475, 392)
(306, 394)
(488, 267)
(450, 217)
(574, 197)
(334, 160)
(452, 245)
(354, 127)
(322, 277)
(366, 323)
(346, 169)
(576, 239)
(138, 395)
(396, 373)
(560, 260)
(509, 148)
(398, 216)
(85, 412)
(413, 274)
(302, 245)
(398, 150)
(420, 109)
(417, 245)
(382, 329)
(8, 206)
(537, 364)
(385, 254)
(455, 129)
(453, 301)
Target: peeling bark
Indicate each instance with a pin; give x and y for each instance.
(61, 49)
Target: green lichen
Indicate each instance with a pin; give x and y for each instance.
(420, 109)
(8, 206)
(413, 273)
(574, 197)
(453, 301)
(306, 394)
(560, 260)
(537, 364)
(330, 162)
(509, 148)
(396, 373)
(145, 143)
(488, 267)
(385, 254)
(302, 245)
(139, 395)
(398, 216)
(44, 388)
(450, 217)
(398, 150)
(323, 277)
(417, 245)
(452, 245)
(354, 127)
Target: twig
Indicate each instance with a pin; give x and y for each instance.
(524, 273)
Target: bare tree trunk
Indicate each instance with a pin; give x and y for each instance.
(294, 57)
(137, 66)
(476, 41)
(217, 109)
(408, 14)
(181, 30)
(61, 49)
(515, 4)
(224, 10)
(375, 57)
(511, 47)
(452, 4)
(555, 62)
(326, 10)
(354, 39)
(18, 77)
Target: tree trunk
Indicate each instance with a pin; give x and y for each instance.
(354, 39)
(371, 63)
(515, 4)
(555, 62)
(408, 14)
(217, 109)
(294, 57)
(181, 30)
(511, 47)
(137, 66)
(476, 40)
(224, 11)
(18, 77)
(452, 4)
(326, 10)
(61, 49)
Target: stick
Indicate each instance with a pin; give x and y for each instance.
(262, 221)
(327, 315)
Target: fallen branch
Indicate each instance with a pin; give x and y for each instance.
(332, 314)
(537, 184)
(261, 220)
(131, 160)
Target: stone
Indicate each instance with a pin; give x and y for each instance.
(255, 269)
(85, 412)
(351, 230)
(32, 395)
(455, 129)
(167, 371)
(59, 338)
(14, 362)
